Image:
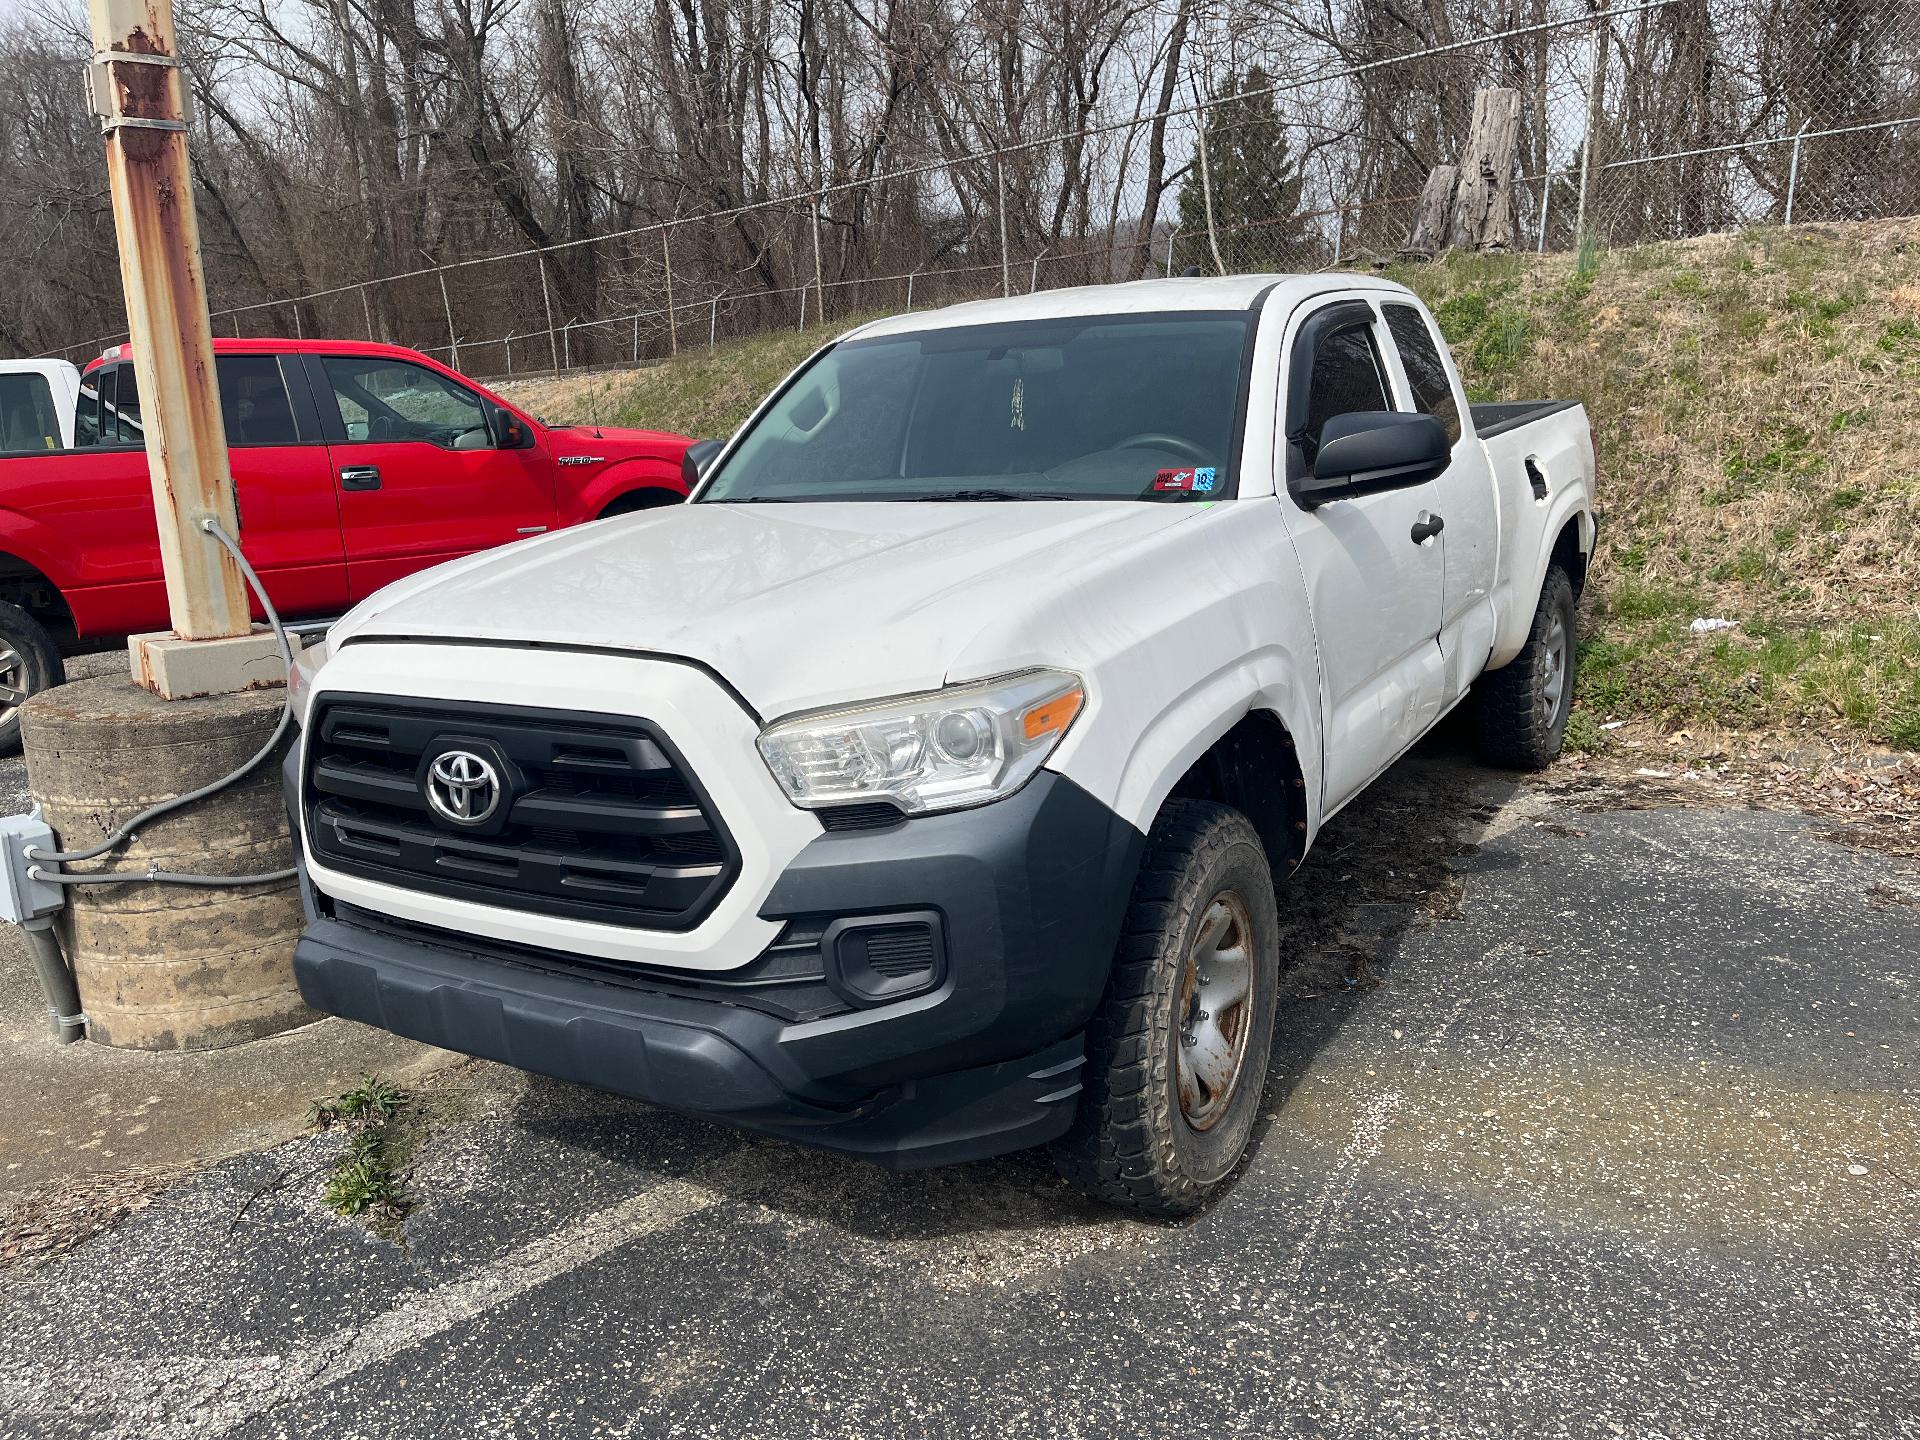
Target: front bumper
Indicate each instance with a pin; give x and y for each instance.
(1029, 893)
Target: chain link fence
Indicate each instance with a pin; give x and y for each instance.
(1636, 123)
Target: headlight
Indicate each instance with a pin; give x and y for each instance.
(939, 751)
(306, 664)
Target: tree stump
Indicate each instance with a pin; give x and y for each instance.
(1434, 213)
(1483, 211)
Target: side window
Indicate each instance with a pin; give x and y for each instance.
(1347, 377)
(1426, 371)
(28, 421)
(108, 378)
(126, 405)
(253, 401)
(393, 400)
(86, 413)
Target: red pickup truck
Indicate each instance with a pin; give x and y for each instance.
(353, 463)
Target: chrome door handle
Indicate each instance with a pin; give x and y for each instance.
(1426, 527)
(359, 477)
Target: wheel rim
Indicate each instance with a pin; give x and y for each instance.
(1554, 691)
(1215, 1010)
(13, 682)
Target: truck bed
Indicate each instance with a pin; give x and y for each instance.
(1497, 419)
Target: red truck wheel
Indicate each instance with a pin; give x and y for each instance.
(29, 663)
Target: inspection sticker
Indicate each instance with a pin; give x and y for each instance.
(1199, 481)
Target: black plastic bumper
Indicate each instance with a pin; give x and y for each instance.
(1030, 893)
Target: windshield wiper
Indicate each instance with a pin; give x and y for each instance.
(993, 495)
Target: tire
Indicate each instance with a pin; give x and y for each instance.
(29, 663)
(1522, 708)
(657, 498)
(1150, 1134)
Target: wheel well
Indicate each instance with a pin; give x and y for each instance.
(21, 584)
(1568, 555)
(1255, 769)
(652, 497)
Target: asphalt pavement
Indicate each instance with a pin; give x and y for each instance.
(1588, 1121)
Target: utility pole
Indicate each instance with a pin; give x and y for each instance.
(205, 966)
(140, 92)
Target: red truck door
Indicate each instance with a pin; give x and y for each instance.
(100, 493)
(421, 478)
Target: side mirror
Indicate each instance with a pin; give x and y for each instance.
(510, 432)
(1372, 450)
(700, 454)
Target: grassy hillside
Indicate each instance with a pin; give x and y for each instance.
(1754, 396)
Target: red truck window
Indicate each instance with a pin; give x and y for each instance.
(253, 400)
(86, 412)
(381, 399)
(122, 399)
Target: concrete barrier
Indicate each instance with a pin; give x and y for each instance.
(170, 967)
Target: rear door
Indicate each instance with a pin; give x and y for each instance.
(282, 482)
(1465, 500)
(1374, 589)
(420, 478)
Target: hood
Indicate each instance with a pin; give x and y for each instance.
(614, 442)
(796, 606)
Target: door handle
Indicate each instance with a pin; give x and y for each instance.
(359, 477)
(1426, 527)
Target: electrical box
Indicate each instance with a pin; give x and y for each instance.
(23, 898)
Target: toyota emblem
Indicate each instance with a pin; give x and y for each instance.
(463, 787)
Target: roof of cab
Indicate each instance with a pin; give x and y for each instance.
(1136, 297)
(278, 345)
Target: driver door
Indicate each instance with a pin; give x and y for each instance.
(419, 477)
(1374, 586)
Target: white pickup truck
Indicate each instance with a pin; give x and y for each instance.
(919, 789)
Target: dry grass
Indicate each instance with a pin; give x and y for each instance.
(1753, 397)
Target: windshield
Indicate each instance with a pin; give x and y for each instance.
(1099, 407)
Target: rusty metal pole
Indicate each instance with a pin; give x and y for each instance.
(140, 92)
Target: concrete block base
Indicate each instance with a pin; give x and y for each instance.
(176, 669)
(169, 967)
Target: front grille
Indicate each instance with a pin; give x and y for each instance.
(599, 817)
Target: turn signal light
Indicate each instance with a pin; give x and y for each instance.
(1050, 717)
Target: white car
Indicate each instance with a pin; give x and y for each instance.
(919, 789)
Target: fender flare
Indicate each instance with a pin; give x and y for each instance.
(1191, 723)
(623, 477)
(34, 543)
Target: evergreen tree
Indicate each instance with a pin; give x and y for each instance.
(1256, 188)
